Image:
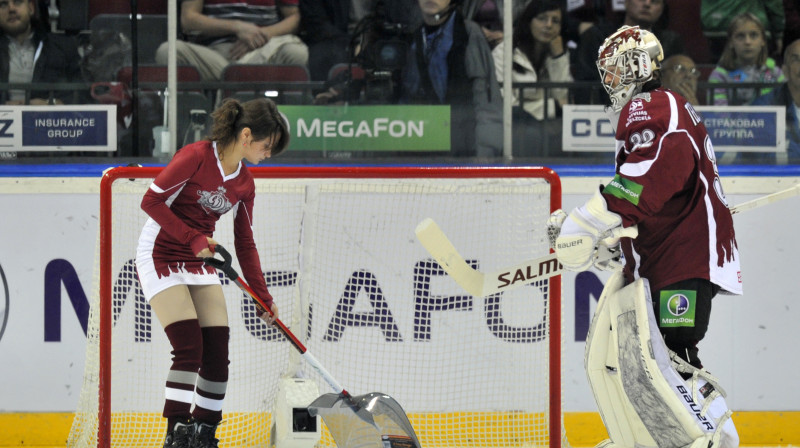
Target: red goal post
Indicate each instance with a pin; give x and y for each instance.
(338, 243)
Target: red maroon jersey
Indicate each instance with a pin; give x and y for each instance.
(668, 185)
(184, 203)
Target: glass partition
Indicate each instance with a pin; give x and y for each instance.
(373, 104)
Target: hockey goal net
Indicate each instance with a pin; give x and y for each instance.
(341, 259)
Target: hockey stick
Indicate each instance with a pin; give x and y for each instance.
(479, 284)
(764, 200)
(380, 414)
(225, 266)
(473, 281)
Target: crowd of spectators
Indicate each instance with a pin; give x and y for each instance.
(443, 52)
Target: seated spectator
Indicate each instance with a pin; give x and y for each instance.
(220, 32)
(744, 60)
(539, 54)
(646, 14)
(680, 74)
(29, 53)
(788, 95)
(716, 16)
(449, 62)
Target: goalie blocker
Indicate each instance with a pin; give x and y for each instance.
(637, 382)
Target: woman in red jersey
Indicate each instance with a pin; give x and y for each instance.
(203, 181)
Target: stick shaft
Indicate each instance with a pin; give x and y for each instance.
(764, 200)
(311, 359)
(473, 281)
(525, 273)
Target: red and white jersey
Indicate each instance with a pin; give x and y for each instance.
(184, 203)
(668, 185)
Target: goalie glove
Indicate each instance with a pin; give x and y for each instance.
(581, 232)
(608, 258)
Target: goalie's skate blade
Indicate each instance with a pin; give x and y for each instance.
(380, 423)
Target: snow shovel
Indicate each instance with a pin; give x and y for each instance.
(381, 421)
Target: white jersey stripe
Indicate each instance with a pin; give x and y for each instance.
(673, 112)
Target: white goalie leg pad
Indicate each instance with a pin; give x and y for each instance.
(706, 390)
(624, 427)
(641, 396)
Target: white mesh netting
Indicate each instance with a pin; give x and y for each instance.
(352, 282)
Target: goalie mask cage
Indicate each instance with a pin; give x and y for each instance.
(353, 283)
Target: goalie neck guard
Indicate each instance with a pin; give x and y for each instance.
(627, 60)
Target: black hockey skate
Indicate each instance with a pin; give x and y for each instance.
(204, 436)
(180, 436)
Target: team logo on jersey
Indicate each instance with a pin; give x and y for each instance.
(214, 201)
(636, 111)
(677, 308)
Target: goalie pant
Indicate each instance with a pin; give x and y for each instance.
(637, 382)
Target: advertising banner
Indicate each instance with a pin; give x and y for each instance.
(731, 128)
(369, 128)
(58, 128)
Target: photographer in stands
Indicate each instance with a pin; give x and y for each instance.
(375, 46)
(334, 29)
(29, 53)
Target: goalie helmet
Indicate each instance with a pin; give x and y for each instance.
(626, 61)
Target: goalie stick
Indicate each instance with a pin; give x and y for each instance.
(473, 281)
(481, 284)
(764, 200)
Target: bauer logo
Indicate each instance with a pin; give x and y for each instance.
(4, 301)
(677, 308)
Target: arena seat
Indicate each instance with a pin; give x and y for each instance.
(257, 75)
(151, 30)
(157, 73)
(97, 7)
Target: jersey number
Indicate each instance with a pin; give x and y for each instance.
(643, 139)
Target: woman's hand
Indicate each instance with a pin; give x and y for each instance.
(557, 46)
(207, 251)
(266, 317)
